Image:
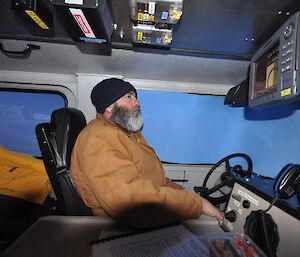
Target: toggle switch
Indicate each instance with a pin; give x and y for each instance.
(236, 197)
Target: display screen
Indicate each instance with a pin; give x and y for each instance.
(266, 73)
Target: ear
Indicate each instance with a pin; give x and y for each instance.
(108, 111)
(109, 108)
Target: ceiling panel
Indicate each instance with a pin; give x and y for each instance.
(225, 28)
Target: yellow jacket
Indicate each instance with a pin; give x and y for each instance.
(23, 176)
(116, 173)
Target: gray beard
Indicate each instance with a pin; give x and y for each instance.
(130, 120)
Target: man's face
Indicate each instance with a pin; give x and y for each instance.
(127, 113)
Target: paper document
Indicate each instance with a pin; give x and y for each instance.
(175, 241)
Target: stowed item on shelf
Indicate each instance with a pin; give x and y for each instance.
(153, 21)
(163, 11)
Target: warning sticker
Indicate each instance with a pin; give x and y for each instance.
(36, 19)
(82, 22)
(286, 92)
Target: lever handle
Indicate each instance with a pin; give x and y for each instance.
(20, 54)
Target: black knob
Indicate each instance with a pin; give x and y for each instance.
(246, 204)
(231, 216)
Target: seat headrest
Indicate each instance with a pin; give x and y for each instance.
(67, 124)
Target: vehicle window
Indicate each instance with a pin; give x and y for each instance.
(20, 112)
(195, 129)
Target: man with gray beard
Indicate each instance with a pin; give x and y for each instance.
(132, 120)
(118, 174)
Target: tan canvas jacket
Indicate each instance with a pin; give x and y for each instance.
(117, 173)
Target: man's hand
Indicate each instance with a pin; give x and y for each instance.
(211, 210)
(172, 184)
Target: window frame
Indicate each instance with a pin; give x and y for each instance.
(68, 96)
(66, 93)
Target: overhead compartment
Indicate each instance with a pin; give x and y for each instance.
(35, 16)
(85, 20)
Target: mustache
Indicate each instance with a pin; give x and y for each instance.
(135, 109)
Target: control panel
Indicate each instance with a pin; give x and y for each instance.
(243, 201)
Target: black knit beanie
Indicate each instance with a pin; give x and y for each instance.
(108, 91)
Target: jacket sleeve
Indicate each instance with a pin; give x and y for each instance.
(124, 195)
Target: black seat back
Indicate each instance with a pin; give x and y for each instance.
(56, 140)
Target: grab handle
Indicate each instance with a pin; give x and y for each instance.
(20, 54)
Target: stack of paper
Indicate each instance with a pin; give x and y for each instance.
(175, 241)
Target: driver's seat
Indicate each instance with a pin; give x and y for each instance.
(56, 140)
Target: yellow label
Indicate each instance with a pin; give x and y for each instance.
(140, 16)
(286, 92)
(151, 17)
(167, 40)
(36, 19)
(140, 36)
(175, 15)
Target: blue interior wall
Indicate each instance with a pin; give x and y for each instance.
(182, 128)
(189, 128)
